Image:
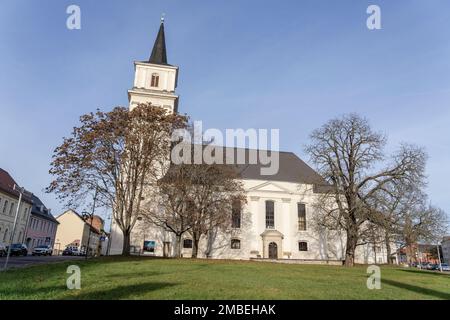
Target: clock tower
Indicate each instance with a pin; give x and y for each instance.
(155, 80)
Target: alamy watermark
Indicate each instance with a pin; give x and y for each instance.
(190, 148)
(73, 21)
(73, 282)
(374, 280)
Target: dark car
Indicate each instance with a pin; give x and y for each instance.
(70, 251)
(43, 250)
(19, 249)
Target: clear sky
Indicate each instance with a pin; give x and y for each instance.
(291, 65)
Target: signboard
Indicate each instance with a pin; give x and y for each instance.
(149, 246)
(102, 238)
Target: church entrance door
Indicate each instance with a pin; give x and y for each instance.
(273, 250)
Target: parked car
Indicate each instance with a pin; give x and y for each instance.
(433, 267)
(71, 251)
(19, 249)
(3, 250)
(445, 267)
(42, 250)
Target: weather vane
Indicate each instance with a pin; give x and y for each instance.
(162, 17)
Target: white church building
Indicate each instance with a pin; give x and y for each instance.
(278, 212)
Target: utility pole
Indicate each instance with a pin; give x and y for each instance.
(11, 238)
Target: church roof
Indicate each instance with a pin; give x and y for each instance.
(291, 168)
(159, 55)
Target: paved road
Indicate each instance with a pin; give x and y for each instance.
(18, 262)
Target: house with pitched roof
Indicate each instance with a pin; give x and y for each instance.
(9, 201)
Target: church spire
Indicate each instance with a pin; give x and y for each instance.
(159, 55)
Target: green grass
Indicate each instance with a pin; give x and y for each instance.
(146, 278)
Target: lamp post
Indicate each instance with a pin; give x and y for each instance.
(91, 216)
(21, 192)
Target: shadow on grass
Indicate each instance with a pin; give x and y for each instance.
(427, 272)
(421, 290)
(121, 292)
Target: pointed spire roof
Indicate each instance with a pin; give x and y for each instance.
(159, 55)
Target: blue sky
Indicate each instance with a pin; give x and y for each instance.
(291, 65)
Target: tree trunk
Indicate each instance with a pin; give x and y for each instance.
(388, 248)
(195, 242)
(178, 246)
(350, 249)
(126, 243)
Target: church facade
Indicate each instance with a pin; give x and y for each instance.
(275, 223)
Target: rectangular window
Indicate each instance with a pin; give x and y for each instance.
(187, 243)
(235, 244)
(11, 209)
(302, 246)
(236, 214)
(5, 204)
(301, 209)
(270, 215)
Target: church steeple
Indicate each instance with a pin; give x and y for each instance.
(159, 55)
(155, 80)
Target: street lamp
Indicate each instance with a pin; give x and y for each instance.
(21, 192)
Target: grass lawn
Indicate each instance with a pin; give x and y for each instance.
(147, 278)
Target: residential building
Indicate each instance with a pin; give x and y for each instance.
(42, 226)
(75, 231)
(9, 200)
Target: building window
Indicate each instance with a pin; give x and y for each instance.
(235, 244)
(236, 214)
(155, 80)
(5, 204)
(5, 235)
(302, 246)
(187, 243)
(270, 215)
(301, 209)
(11, 207)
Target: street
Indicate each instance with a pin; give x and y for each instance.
(19, 262)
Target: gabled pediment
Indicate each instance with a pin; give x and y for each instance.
(270, 187)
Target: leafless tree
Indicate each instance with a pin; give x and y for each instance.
(350, 156)
(118, 155)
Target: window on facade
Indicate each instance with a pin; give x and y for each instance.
(5, 204)
(5, 235)
(301, 209)
(302, 246)
(270, 215)
(11, 207)
(235, 244)
(187, 243)
(236, 214)
(155, 80)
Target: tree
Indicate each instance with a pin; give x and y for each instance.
(196, 198)
(119, 155)
(349, 155)
(213, 190)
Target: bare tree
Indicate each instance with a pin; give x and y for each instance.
(349, 155)
(118, 155)
(214, 188)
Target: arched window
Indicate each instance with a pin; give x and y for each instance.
(155, 80)
(302, 246)
(270, 215)
(187, 243)
(236, 214)
(235, 244)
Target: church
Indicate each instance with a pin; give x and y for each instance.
(279, 211)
